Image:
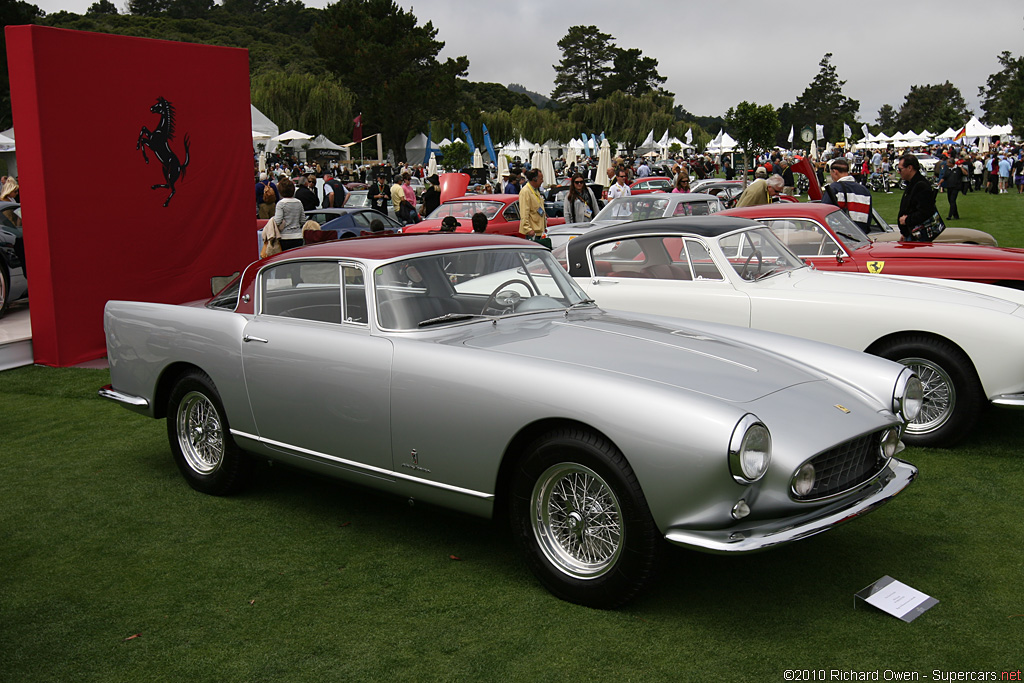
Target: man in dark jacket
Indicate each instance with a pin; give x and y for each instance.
(917, 206)
(306, 195)
(952, 182)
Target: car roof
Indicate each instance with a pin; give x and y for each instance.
(379, 248)
(704, 226)
(395, 246)
(340, 210)
(483, 197)
(784, 209)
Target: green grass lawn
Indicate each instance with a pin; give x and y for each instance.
(303, 578)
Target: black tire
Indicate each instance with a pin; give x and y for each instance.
(953, 397)
(601, 556)
(200, 439)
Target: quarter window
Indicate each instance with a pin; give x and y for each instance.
(312, 290)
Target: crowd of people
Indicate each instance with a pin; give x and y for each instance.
(290, 187)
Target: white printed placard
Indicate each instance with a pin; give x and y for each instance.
(897, 598)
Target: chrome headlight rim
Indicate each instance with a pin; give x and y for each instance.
(908, 395)
(748, 427)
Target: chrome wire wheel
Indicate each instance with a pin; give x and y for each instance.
(200, 435)
(939, 395)
(576, 520)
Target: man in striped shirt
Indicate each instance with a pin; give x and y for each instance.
(848, 194)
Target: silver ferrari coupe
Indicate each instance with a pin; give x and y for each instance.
(471, 371)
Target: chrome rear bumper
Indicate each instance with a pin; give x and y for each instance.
(135, 403)
(1009, 400)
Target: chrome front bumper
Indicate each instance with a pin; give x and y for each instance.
(780, 531)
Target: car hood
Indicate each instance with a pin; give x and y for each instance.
(881, 251)
(670, 354)
(839, 286)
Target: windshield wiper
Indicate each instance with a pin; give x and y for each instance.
(850, 237)
(449, 317)
(583, 302)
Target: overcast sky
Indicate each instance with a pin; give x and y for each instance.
(716, 54)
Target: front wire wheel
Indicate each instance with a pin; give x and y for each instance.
(581, 518)
(576, 520)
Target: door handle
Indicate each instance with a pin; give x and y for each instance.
(247, 338)
(599, 281)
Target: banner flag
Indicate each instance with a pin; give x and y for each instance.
(790, 138)
(357, 128)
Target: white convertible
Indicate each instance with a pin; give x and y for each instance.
(963, 339)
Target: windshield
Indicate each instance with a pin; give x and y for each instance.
(639, 208)
(851, 235)
(454, 287)
(466, 209)
(757, 253)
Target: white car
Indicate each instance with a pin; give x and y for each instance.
(927, 161)
(962, 338)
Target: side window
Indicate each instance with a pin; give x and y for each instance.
(309, 290)
(702, 266)
(512, 212)
(355, 294)
(803, 237)
(362, 219)
(623, 258)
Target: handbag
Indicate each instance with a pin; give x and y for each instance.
(929, 230)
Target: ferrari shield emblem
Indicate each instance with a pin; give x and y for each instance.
(842, 408)
(875, 266)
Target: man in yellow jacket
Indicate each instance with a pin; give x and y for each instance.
(532, 218)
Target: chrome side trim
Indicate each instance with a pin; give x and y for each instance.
(108, 392)
(768, 533)
(369, 469)
(1009, 400)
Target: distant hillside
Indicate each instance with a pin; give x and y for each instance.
(540, 100)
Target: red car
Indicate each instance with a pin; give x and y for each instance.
(502, 211)
(823, 235)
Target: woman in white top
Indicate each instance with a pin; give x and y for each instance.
(289, 215)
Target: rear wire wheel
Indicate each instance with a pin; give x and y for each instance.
(200, 439)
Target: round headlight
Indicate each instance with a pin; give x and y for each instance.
(750, 450)
(908, 396)
(890, 442)
(803, 482)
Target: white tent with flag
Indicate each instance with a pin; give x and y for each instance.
(648, 145)
(722, 143)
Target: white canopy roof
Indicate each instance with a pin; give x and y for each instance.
(977, 129)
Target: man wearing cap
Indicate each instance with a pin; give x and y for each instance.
(848, 194)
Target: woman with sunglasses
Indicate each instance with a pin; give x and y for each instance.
(682, 182)
(580, 204)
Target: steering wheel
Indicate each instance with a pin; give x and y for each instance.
(511, 299)
(746, 265)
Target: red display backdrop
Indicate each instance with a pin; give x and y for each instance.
(89, 109)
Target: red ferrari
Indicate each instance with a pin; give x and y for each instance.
(823, 235)
(502, 211)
